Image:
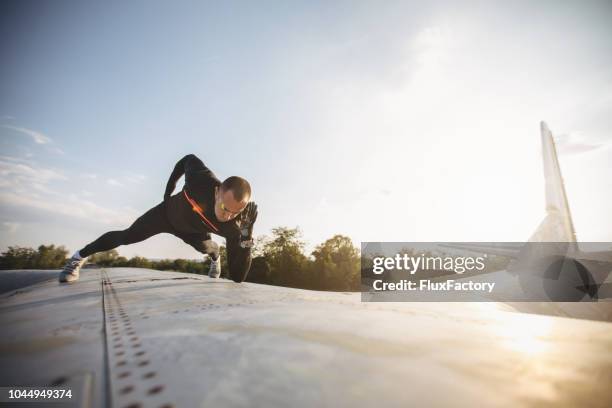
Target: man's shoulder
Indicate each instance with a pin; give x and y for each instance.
(203, 177)
(207, 179)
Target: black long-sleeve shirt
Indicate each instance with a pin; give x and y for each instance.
(200, 184)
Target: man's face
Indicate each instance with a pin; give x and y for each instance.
(226, 206)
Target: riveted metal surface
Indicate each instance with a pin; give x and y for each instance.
(200, 342)
(132, 382)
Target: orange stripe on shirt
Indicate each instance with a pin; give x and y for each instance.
(196, 208)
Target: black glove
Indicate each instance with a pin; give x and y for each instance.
(248, 216)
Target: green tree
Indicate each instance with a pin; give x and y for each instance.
(196, 267)
(45, 257)
(179, 265)
(284, 255)
(50, 257)
(121, 261)
(17, 258)
(139, 262)
(106, 258)
(164, 264)
(336, 264)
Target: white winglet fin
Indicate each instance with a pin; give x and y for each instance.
(558, 225)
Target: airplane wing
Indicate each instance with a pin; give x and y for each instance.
(125, 337)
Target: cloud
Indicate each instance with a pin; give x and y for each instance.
(19, 172)
(135, 178)
(114, 182)
(57, 150)
(70, 206)
(129, 179)
(24, 187)
(38, 137)
(575, 143)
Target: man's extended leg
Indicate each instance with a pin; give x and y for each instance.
(150, 223)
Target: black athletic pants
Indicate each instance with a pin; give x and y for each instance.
(155, 221)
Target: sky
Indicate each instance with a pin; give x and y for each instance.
(382, 121)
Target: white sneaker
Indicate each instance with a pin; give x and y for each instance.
(71, 270)
(215, 268)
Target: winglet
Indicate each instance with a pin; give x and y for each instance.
(558, 225)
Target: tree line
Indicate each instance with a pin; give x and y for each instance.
(279, 259)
